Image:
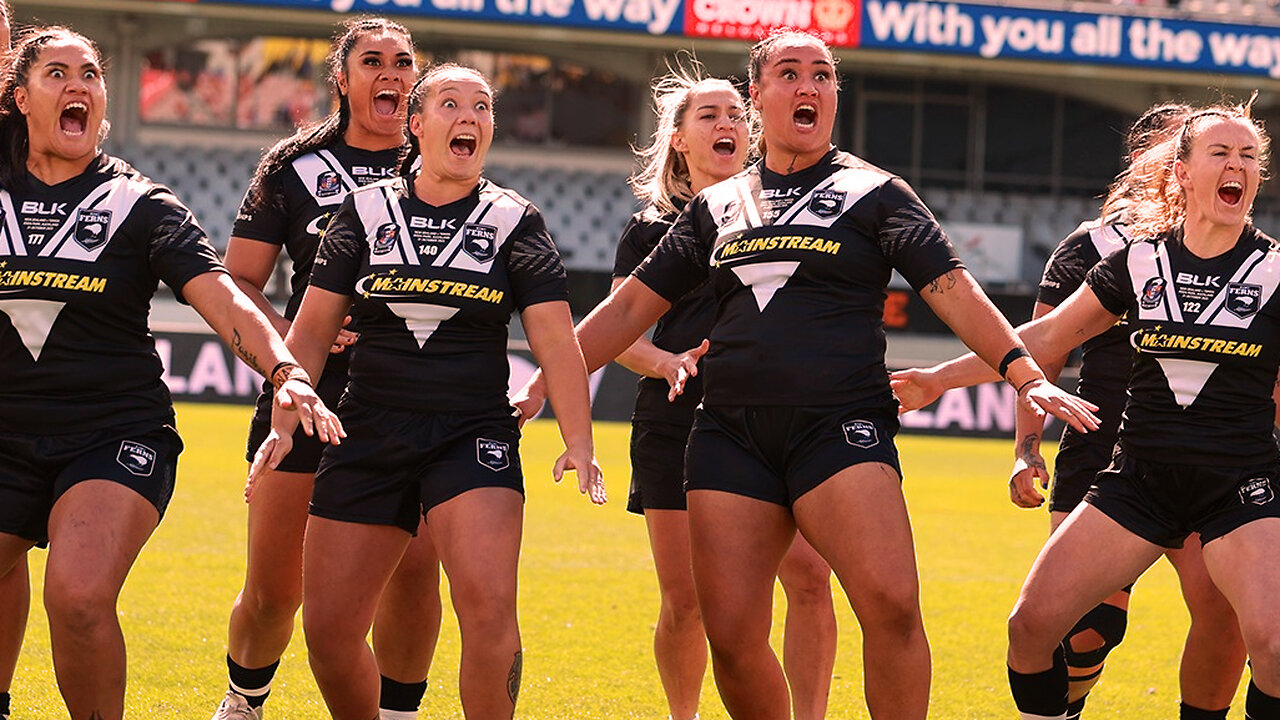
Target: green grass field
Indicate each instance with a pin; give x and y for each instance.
(589, 599)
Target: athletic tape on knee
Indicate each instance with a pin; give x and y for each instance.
(1109, 622)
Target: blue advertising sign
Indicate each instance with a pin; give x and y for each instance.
(656, 17)
(1005, 32)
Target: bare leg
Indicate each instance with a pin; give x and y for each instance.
(1213, 657)
(262, 617)
(96, 530)
(478, 536)
(679, 641)
(407, 625)
(1246, 568)
(15, 602)
(737, 544)
(857, 520)
(809, 645)
(345, 569)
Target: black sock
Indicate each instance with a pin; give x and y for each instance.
(4, 704)
(1042, 694)
(1260, 706)
(401, 697)
(1189, 712)
(1075, 707)
(254, 685)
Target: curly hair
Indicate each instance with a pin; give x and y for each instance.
(266, 179)
(15, 141)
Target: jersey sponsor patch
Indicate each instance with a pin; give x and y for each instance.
(493, 454)
(1152, 293)
(1243, 299)
(136, 458)
(91, 227)
(861, 433)
(386, 238)
(1257, 491)
(480, 241)
(827, 203)
(328, 184)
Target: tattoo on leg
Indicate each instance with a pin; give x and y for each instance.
(513, 677)
(237, 344)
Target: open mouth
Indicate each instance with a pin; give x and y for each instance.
(1231, 192)
(806, 116)
(74, 118)
(725, 146)
(386, 102)
(463, 145)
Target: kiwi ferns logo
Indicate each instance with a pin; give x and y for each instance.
(136, 458)
(826, 203)
(1243, 299)
(92, 227)
(480, 241)
(1257, 491)
(861, 433)
(493, 454)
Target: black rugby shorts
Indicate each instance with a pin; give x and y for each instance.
(657, 466)
(304, 457)
(1074, 471)
(397, 464)
(1162, 503)
(35, 470)
(778, 453)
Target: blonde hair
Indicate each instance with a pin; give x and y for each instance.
(664, 174)
(1148, 190)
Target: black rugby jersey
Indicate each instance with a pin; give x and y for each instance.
(799, 265)
(1206, 348)
(79, 262)
(681, 328)
(1107, 358)
(311, 190)
(434, 289)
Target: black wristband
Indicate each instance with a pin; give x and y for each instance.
(279, 366)
(1019, 391)
(1009, 357)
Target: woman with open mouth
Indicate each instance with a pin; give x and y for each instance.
(298, 185)
(796, 427)
(436, 262)
(88, 450)
(703, 136)
(1195, 452)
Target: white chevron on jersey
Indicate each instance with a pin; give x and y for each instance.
(853, 183)
(420, 319)
(1107, 238)
(1147, 261)
(116, 197)
(377, 205)
(765, 279)
(32, 319)
(311, 166)
(1186, 378)
(498, 208)
(11, 240)
(1261, 269)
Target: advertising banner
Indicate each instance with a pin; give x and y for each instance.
(836, 21)
(1070, 37)
(656, 17)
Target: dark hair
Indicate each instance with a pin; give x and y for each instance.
(322, 133)
(5, 12)
(760, 52)
(1154, 126)
(14, 138)
(418, 98)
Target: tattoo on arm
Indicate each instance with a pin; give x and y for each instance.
(513, 677)
(943, 283)
(237, 344)
(1026, 450)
